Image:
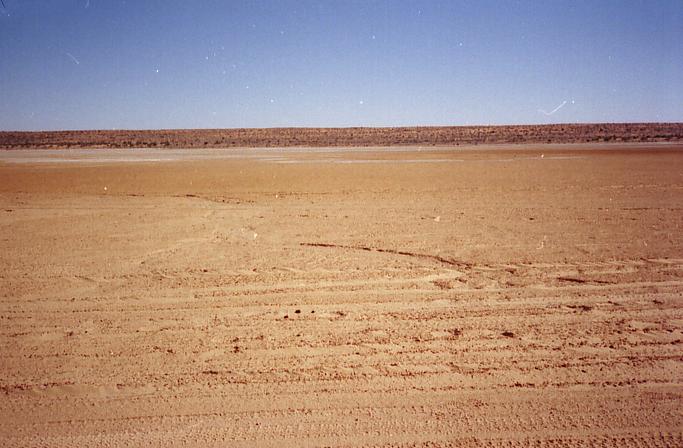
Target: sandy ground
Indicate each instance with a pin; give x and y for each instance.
(496, 296)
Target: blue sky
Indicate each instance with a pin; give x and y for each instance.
(142, 64)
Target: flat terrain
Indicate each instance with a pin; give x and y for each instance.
(490, 296)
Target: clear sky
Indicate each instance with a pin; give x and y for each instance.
(141, 64)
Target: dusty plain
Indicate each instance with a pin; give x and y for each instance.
(493, 296)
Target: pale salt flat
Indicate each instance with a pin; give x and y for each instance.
(267, 155)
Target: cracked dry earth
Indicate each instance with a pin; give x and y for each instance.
(443, 297)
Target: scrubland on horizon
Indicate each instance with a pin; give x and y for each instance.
(353, 136)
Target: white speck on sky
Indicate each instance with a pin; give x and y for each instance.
(73, 58)
(554, 110)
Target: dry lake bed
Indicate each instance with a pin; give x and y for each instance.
(494, 296)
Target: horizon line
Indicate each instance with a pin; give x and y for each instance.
(611, 123)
